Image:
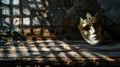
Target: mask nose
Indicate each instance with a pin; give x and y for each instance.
(92, 30)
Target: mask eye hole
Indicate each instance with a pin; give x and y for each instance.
(96, 25)
(86, 28)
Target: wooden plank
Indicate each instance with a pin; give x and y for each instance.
(63, 47)
(56, 45)
(60, 54)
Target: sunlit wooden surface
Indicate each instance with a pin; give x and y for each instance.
(69, 52)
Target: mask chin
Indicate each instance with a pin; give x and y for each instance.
(93, 42)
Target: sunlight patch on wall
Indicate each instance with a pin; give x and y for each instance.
(16, 2)
(26, 21)
(6, 10)
(26, 11)
(6, 1)
(16, 11)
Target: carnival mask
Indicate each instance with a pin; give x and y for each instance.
(91, 29)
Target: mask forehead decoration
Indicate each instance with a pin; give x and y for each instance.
(88, 15)
(89, 19)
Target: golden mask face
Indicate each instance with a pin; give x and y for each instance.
(91, 29)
